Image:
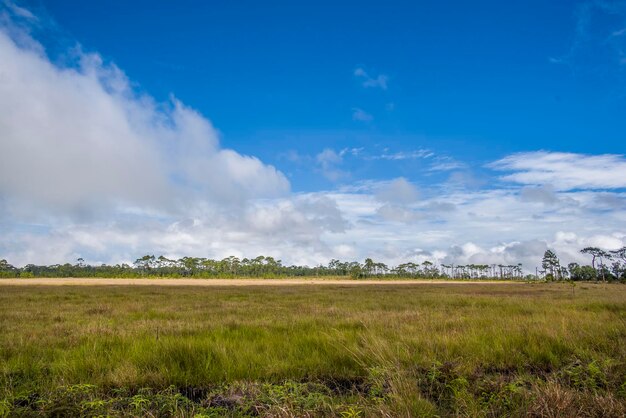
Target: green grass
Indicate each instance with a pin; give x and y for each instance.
(447, 350)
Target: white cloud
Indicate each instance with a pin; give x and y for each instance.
(380, 81)
(465, 179)
(499, 227)
(542, 194)
(484, 227)
(565, 171)
(404, 155)
(398, 213)
(397, 197)
(361, 115)
(328, 161)
(446, 163)
(329, 157)
(79, 139)
(288, 228)
(355, 152)
(399, 191)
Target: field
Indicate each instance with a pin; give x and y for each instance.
(514, 349)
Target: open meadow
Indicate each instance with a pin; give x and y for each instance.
(514, 349)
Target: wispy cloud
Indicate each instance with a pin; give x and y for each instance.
(355, 152)
(446, 163)
(403, 155)
(329, 155)
(379, 81)
(565, 171)
(361, 115)
(19, 11)
(619, 32)
(604, 41)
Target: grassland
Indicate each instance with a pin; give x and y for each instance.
(518, 349)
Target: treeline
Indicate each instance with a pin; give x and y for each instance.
(605, 265)
(261, 266)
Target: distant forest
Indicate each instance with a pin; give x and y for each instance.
(604, 266)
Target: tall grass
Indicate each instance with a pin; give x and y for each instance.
(383, 350)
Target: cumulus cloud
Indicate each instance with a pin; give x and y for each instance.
(398, 213)
(78, 138)
(465, 179)
(329, 161)
(565, 171)
(399, 191)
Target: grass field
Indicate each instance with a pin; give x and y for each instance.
(335, 350)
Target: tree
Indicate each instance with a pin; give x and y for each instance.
(593, 252)
(230, 265)
(369, 266)
(596, 252)
(429, 269)
(380, 268)
(356, 270)
(7, 270)
(619, 266)
(5, 266)
(619, 270)
(621, 253)
(551, 264)
(145, 263)
(582, 273)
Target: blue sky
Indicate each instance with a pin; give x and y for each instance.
(473, 81)
(316, 110)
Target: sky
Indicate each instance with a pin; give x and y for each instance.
(455, 132)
